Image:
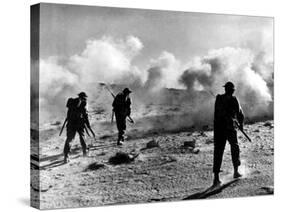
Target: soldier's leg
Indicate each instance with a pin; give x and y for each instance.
(235, 152)
(219, 146)
(70, 134)
(81, 133)
(119, 123)
(118, 128)
(122, 128)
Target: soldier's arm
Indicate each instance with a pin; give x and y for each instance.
(128, 105)
(240, 114)
(240, 117)
(85, 115)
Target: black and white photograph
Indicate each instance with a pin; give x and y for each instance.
(141, 105)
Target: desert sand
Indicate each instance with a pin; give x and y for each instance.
(162, 164)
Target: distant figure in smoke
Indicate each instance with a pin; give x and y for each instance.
(227, 114)
(122, 109)
(77, 120)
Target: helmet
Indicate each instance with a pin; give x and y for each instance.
(82, 95)
(127, 91)
(229, 86)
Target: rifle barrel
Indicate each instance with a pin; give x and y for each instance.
(241, 130)
(246, 135)
(63, 126)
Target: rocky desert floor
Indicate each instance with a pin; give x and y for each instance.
(151, 166)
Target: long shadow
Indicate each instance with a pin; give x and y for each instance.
(102, 146)
(210, 191)
(51, 157)
(56, 160)
(52, 165)
(73, 151)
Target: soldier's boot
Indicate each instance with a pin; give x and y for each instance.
(119, 142)
(236, 173)
(216, 179)
(85, 154)
(66, 159)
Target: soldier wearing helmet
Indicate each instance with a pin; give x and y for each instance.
(122, 108)
(227, 113)
(77, 120)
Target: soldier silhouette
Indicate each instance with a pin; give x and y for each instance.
(227, 114)
(122, 108)
(77, 120)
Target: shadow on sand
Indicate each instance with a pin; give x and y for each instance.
(57, 159)
(211, 191)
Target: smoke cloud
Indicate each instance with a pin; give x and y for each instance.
(239, 66)
(169, 70)
(102, 60)
(168, 80)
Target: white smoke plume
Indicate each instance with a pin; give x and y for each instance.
(165, 72)
(110, 60)
(106, 60)
(239, 66)
(103, 60)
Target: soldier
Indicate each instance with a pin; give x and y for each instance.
(228, 114)
(122, 108)
(77, 120)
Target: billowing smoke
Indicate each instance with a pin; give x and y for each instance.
(107, 60)
(250, 73)
(103, 60)
(179, 87)
(164, 72)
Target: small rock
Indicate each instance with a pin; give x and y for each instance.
(268, 124)
(268, 189)
(196, 151)
(152, 144)
(122, 157)
(94, 166)
(189, 144)
(56, 123)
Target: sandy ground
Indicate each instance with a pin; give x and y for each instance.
(169, 172)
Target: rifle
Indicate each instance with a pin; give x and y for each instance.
(88, 126)
(113, 95)
(242, 131)
(87, 132)
(94, 135)
(63, 126)
(130, 119)
(86, 129)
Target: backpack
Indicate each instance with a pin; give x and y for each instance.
(73, 105)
